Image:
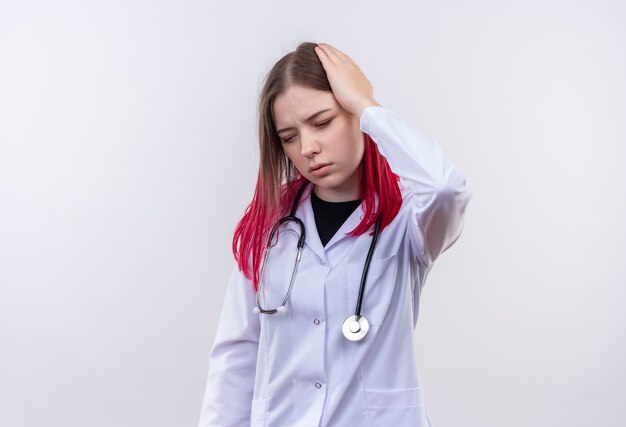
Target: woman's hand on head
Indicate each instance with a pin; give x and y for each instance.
(349, 85)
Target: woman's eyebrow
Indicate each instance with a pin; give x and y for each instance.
(307, 120)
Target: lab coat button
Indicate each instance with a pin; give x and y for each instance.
(316, 321)
(318, 385)
(322, 262)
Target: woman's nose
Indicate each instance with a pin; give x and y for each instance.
(309, 145)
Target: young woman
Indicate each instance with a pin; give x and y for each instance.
(317, 325)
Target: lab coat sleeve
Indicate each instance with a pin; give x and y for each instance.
(438, 192)
(232, 361)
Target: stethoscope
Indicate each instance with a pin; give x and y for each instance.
(354, 327)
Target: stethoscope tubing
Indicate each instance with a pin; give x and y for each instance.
(355, 327)
(366, 267)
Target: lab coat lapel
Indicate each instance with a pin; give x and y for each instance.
(305, 212)
(312, 236)
(349, 224)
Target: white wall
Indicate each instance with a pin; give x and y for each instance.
(127, 155)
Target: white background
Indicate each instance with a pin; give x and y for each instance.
(128, 153)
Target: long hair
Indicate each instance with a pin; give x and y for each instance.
(278, 179)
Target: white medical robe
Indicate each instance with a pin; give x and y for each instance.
(297, 369)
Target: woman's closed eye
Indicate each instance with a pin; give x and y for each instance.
(319, 125)
(323, 124)
(288, 139)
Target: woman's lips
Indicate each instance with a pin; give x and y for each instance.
(319, 171)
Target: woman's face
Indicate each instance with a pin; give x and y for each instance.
(315, 130)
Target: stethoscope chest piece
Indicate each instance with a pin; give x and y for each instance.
(355, 328)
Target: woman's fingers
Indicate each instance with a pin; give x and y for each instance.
(335, 54)
(323, 56)
(350, 86)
